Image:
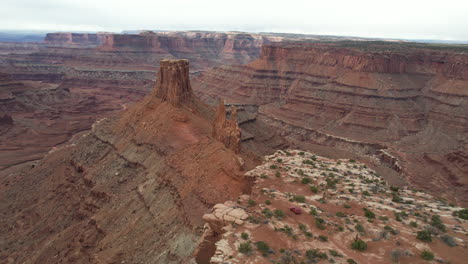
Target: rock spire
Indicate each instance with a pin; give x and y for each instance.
(226, 130)
(173, 83)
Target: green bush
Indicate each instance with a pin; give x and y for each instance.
(351, 261)
(278, 174)
(413, 224)
(424, 235)
(299, 198)
(437, 222)
(267, 202)
(267, 213)
(314, 189)
(359, 245)
(301, 153)
(368, 213)
(347, 206)
(273, 167)
(334, 253)
(245, 236)
(323, 238)
(279, 160)
(313, 212)
(366, 193)
(262, 247)
(305, 180)
(340, 214)
(450, 241)
(320, 223)
(245, 248)
(463, 213)
(360, 228)
(279, 213)
(314, 254)
(427, 255)
(251, 202)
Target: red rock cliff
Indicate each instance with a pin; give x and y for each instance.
(173, 84)
(226, 130)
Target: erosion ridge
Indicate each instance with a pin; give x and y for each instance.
(137, 182)
(409, 101)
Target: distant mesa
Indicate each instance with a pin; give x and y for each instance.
(173, 83)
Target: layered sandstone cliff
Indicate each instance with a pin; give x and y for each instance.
(139, 182)
(407, 102)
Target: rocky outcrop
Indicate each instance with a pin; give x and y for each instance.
(173, 84)
(137, 182)
(394, 95)
(226, 130)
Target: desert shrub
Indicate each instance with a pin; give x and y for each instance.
(279, 160)
(413, 224)
(301, 153)
(323, 238)
(245, 248)
(366, 193)
(396, 255)
(299, 198)
(383, 218)
(360, 228)
(267, 202)
(313, 212)
(394, 188)
(267, 213)
(334, 253)
(273, 167)
(359, 245)
(347, 206)
(278, 174)
(262, 247)
(463, 213)
(309, 162)
(449, 240)
(320, 223)
(314, 189)
(245, 236)
(351, 160)
(314, 254)
(279, 213)
(351, 261)
(424, 235)
(368, 213)
(396, 198)
(251, 202)
(253, 220)
(305, 180)
(437, 222)
(340, 214)
(263, 176)
(427, 255)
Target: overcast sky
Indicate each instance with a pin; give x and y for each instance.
(415, 19)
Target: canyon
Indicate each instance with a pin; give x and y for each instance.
(404, 107)
(149, 147)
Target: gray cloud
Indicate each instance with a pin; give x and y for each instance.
(393, 19)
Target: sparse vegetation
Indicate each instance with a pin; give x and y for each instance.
(437, 222)
(463, 213)
(314, 189)
(263, 247)
(323, 238)
(245, 248)
(320, 223)
(305, 180)
(359, 245)
(427, 255)
(244, 236)
(279, 213)
(299, 198)
(424, 235)
(251, 203)
(368, 213)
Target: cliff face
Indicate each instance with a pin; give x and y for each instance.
(139, 182)
(75, 38)
(360, 100)
(173, 83)
(226, 130)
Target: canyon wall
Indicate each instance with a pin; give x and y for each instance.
(138, 182)
(410, 102)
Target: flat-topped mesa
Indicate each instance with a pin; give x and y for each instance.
(173, 83)
(225, 130)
